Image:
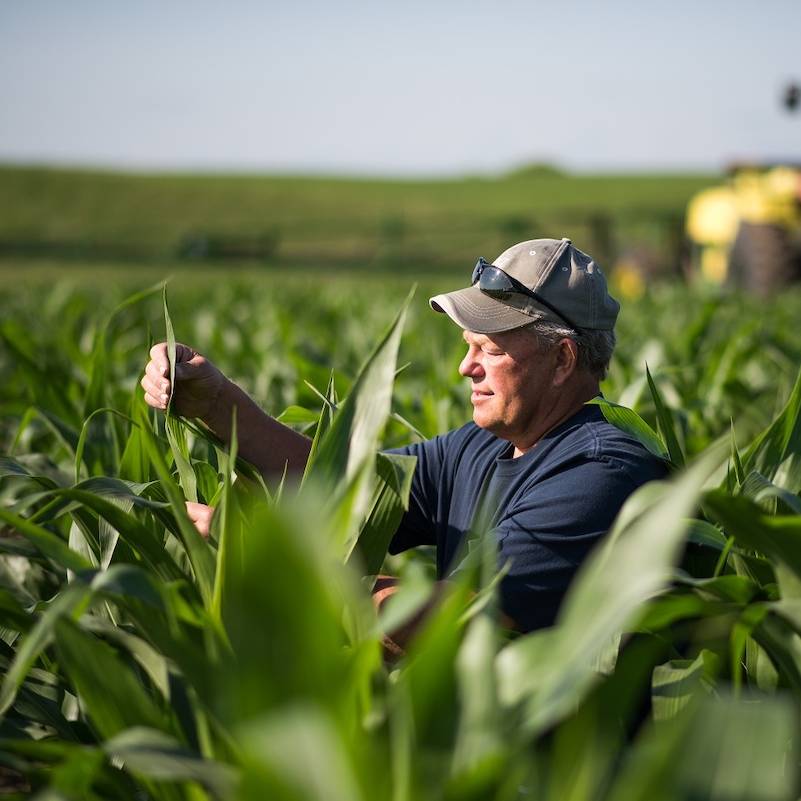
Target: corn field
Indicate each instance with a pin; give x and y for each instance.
(140, 661)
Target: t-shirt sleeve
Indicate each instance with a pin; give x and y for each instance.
(548, 532)
(418, 525)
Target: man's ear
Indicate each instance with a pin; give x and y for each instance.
(566, 361)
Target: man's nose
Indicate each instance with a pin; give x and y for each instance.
(470, 367)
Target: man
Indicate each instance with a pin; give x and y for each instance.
(547, 469)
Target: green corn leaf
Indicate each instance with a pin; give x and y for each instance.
(430, 674)
(297, 415)
(135, 533)
(96, 393)
(630, 422)
(280, 556)
(126, 582)
(665, 610)
(37, 702)
(197, 550)
(480, 736)
(172, 628)
(63, 431)
(342, 466)
(170, 334)
(703, 533)
(47, 751)
(717, 749)
(154, 664)
(223, 523)
(44, 375)
(765, 492)
(674, 684)
(777, 638)
(156, 755)
(665, 423)
(324, 421)
(778, 537)
(779, 445)
(95, 397)
(176, 437)
(390, 498)
(51, 545)
(134, 465)
(208, 482)
(12, 615)
(739, 472)
(353, 434)
(408, 426)
(38, 638)
(730, 588)
(81, 444)
(276, 765)
(109, 690)
(77, 774)
(11, 467)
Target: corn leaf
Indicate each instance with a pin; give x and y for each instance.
(630, 422)
(779, 445)
(665, 423)
(353, 435)
(716, 749)
(390, 498)
(38, 638)
(197, 550)
(51, 545)
(156, 755)
(109, 689)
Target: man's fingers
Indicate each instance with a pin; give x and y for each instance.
(154, 372)
(201, 516)
(156, 387)
(159, 358)
(156, 403)
(161, 361)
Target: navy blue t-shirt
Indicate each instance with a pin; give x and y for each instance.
(548, 507)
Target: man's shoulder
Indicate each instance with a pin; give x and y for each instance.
(590, 435)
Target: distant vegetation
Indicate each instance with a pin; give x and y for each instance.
(537, 169)
(358, 223)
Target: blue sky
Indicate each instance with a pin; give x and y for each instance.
(397, 88)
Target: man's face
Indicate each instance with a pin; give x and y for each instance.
(512, 382)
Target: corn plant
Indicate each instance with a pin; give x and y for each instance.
(141, 661)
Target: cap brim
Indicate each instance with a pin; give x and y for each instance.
(472, 310)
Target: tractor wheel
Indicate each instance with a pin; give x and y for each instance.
(764, 258)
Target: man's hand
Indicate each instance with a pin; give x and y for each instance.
(200, 515)
(201, 390)
(197, 381)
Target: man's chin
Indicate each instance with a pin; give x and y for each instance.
(485, 421)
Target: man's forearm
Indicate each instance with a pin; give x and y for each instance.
(267, 444)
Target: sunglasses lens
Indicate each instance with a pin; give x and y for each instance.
(477, 270)
(495, 282)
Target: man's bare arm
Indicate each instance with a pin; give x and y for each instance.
(267, 444)
(202, 391)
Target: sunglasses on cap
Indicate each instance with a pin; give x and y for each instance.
(493, 281)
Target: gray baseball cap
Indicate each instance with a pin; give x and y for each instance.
(563, 277)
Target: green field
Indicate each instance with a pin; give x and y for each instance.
(139, 661)
(336, 222)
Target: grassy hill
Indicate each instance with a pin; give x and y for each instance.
(82, 214)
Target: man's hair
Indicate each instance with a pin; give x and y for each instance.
(595, 347)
